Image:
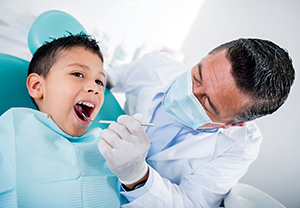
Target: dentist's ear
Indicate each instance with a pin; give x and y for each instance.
(239, 124)
(34, 86)
(226, 126)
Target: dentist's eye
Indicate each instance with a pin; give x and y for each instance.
(197, 80)
(77, 74)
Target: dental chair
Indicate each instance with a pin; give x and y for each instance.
(246, 196)
(13, 70)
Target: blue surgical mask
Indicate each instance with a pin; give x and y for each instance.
(181, 103)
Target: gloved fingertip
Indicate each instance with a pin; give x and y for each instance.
(138, 117)
(120, 117)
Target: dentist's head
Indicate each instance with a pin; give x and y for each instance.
(261, 70)
(236, 82)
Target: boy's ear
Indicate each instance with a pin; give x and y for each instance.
(35, 85)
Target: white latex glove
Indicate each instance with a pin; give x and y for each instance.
(125, 145)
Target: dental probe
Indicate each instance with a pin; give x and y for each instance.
(109, 122)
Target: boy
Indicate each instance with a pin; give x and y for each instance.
(47, 159)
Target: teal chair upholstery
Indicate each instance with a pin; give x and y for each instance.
(13, 75)
(13, 70)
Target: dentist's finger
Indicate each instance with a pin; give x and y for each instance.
(111, 138)
(133, 126)
(122, 132)
(105, 149)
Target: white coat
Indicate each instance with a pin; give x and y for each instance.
(196, 172)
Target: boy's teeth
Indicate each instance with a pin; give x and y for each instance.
(87, 104)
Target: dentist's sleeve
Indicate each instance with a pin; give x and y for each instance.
(130, 78)
(170, 195)
(143, 73)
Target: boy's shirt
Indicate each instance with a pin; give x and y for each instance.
(41, 166)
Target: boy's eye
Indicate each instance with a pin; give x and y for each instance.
(77, 74)
(99, 82)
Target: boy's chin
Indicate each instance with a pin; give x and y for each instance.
(76, 132)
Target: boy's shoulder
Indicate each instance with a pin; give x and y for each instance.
(18, 113)
(15, 119)
(20, 116)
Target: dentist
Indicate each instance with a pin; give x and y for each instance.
(204, 137)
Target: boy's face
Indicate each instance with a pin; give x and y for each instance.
(74, 85)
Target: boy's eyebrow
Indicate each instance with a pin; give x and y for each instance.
(101, 72)
(86, 67)
(208, 98)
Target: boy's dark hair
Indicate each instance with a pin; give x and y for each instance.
(44, 58)
(262, 70)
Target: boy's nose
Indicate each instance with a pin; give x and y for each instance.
(90, 90)
(92, 87)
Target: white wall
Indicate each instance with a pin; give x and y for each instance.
(277, 169)
(160, 25)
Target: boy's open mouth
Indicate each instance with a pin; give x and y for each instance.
(85, 108)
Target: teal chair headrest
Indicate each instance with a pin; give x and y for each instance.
(49, 25)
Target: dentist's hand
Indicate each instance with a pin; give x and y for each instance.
(125, 145)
